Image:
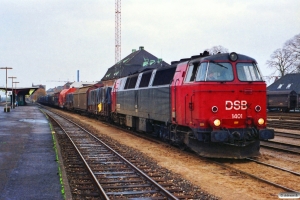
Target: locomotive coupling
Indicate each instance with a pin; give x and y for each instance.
(219, 136)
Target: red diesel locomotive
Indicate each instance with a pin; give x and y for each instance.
(212, 104)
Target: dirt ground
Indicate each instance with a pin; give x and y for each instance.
(211, 178)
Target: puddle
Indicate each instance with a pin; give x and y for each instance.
(34, 121)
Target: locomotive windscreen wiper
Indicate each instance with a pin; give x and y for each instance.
(218, 64)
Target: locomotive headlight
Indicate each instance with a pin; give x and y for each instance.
(217, 122)
(233, 56)
(260, 121)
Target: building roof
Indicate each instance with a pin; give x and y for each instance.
(286, 83)
(135, 62)
(81, 84)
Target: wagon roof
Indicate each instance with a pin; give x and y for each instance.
(286, 83)
(82, 89)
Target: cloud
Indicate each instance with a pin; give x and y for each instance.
(51, 40)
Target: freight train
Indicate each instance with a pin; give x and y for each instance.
(214, 105)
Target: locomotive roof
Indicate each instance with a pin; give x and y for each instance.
(220, 56)
(149, 70)
(225, 56)
(135, 69)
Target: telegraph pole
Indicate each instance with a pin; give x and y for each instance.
(6, 68)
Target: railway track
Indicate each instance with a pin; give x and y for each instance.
(109, 175)
(287, 135)
(273, 175)
(290, 148)
(282, 124)
(284, 116)
(284, 120)
(288, 175)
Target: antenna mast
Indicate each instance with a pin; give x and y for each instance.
(117, 30)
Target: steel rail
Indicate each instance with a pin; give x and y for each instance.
(287, 135)
(246, 173)
(281, 149)
(83, 159)
(276, 167)
(278, 148)
(283, 143)
(283, 124)
(171, 196)
(255, 177)
(166, 192)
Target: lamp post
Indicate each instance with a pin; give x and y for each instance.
(16, 90)
(6, 68)
(12, 91)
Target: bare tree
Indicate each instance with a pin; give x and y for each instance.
(287, 59)
(294, 46)
(283, 61)
(217, 49)
(40, 92)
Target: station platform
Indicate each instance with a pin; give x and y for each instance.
(29, 168)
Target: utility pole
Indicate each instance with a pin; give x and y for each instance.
(12, 91)
(6, 68)
(117, 31)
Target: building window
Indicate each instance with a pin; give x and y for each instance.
(288, 86)
(279, 86)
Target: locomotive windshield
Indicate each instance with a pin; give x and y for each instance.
(248, 72)
(213, 71)
(209, 71)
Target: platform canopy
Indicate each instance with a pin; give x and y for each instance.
(23, 90)
(19, 93)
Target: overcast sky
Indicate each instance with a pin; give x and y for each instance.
(49, 40)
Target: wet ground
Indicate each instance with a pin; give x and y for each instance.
(28, 166)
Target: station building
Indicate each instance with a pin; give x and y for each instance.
(137, 61)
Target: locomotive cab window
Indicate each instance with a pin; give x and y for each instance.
(248, 72)
(213, 71)
(191, 74)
